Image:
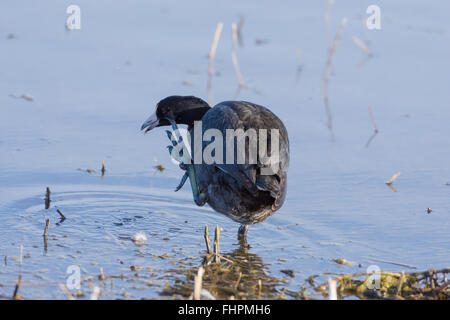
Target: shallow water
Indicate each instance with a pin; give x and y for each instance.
(93, 87)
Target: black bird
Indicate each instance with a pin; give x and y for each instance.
(246, 191)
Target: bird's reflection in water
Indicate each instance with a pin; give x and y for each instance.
(240, 275)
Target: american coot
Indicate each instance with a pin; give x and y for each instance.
(246, 191)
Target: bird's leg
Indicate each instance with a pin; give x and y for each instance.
(199, 197)
(242, 234)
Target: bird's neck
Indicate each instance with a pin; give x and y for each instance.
(195, 114)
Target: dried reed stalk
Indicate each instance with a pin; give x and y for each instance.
(47, 224)
(217, 245)
(374, 125)
(332, 294)
(16, 288)
(198, 283)
(234, 58)
(61, 215)
(327, 75)
(363, 46)
(327, 22)
(212, 54)
(207, 240)
(392, 179)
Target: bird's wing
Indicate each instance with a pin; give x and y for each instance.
(245, 115)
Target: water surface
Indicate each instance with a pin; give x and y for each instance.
(92, 88)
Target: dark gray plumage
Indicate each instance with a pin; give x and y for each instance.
(238, 191)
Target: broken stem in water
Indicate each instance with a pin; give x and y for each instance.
(207, 240)
(241, 83)
(198, 283)
(61, 215)
(217, 245)
(47, 224)
(212, 54)
(16, 288)
(327, 75)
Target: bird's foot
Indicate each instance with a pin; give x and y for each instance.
(177, 142)
(182, 182)
(200, 198)
(182, 165)
(242, 234)
(243, 229)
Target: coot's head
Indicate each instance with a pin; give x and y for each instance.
(181, 109)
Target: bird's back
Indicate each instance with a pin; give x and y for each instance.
(244, 191)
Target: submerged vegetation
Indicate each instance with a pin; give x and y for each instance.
(238, 274)
(242, 275)
(430, 284)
